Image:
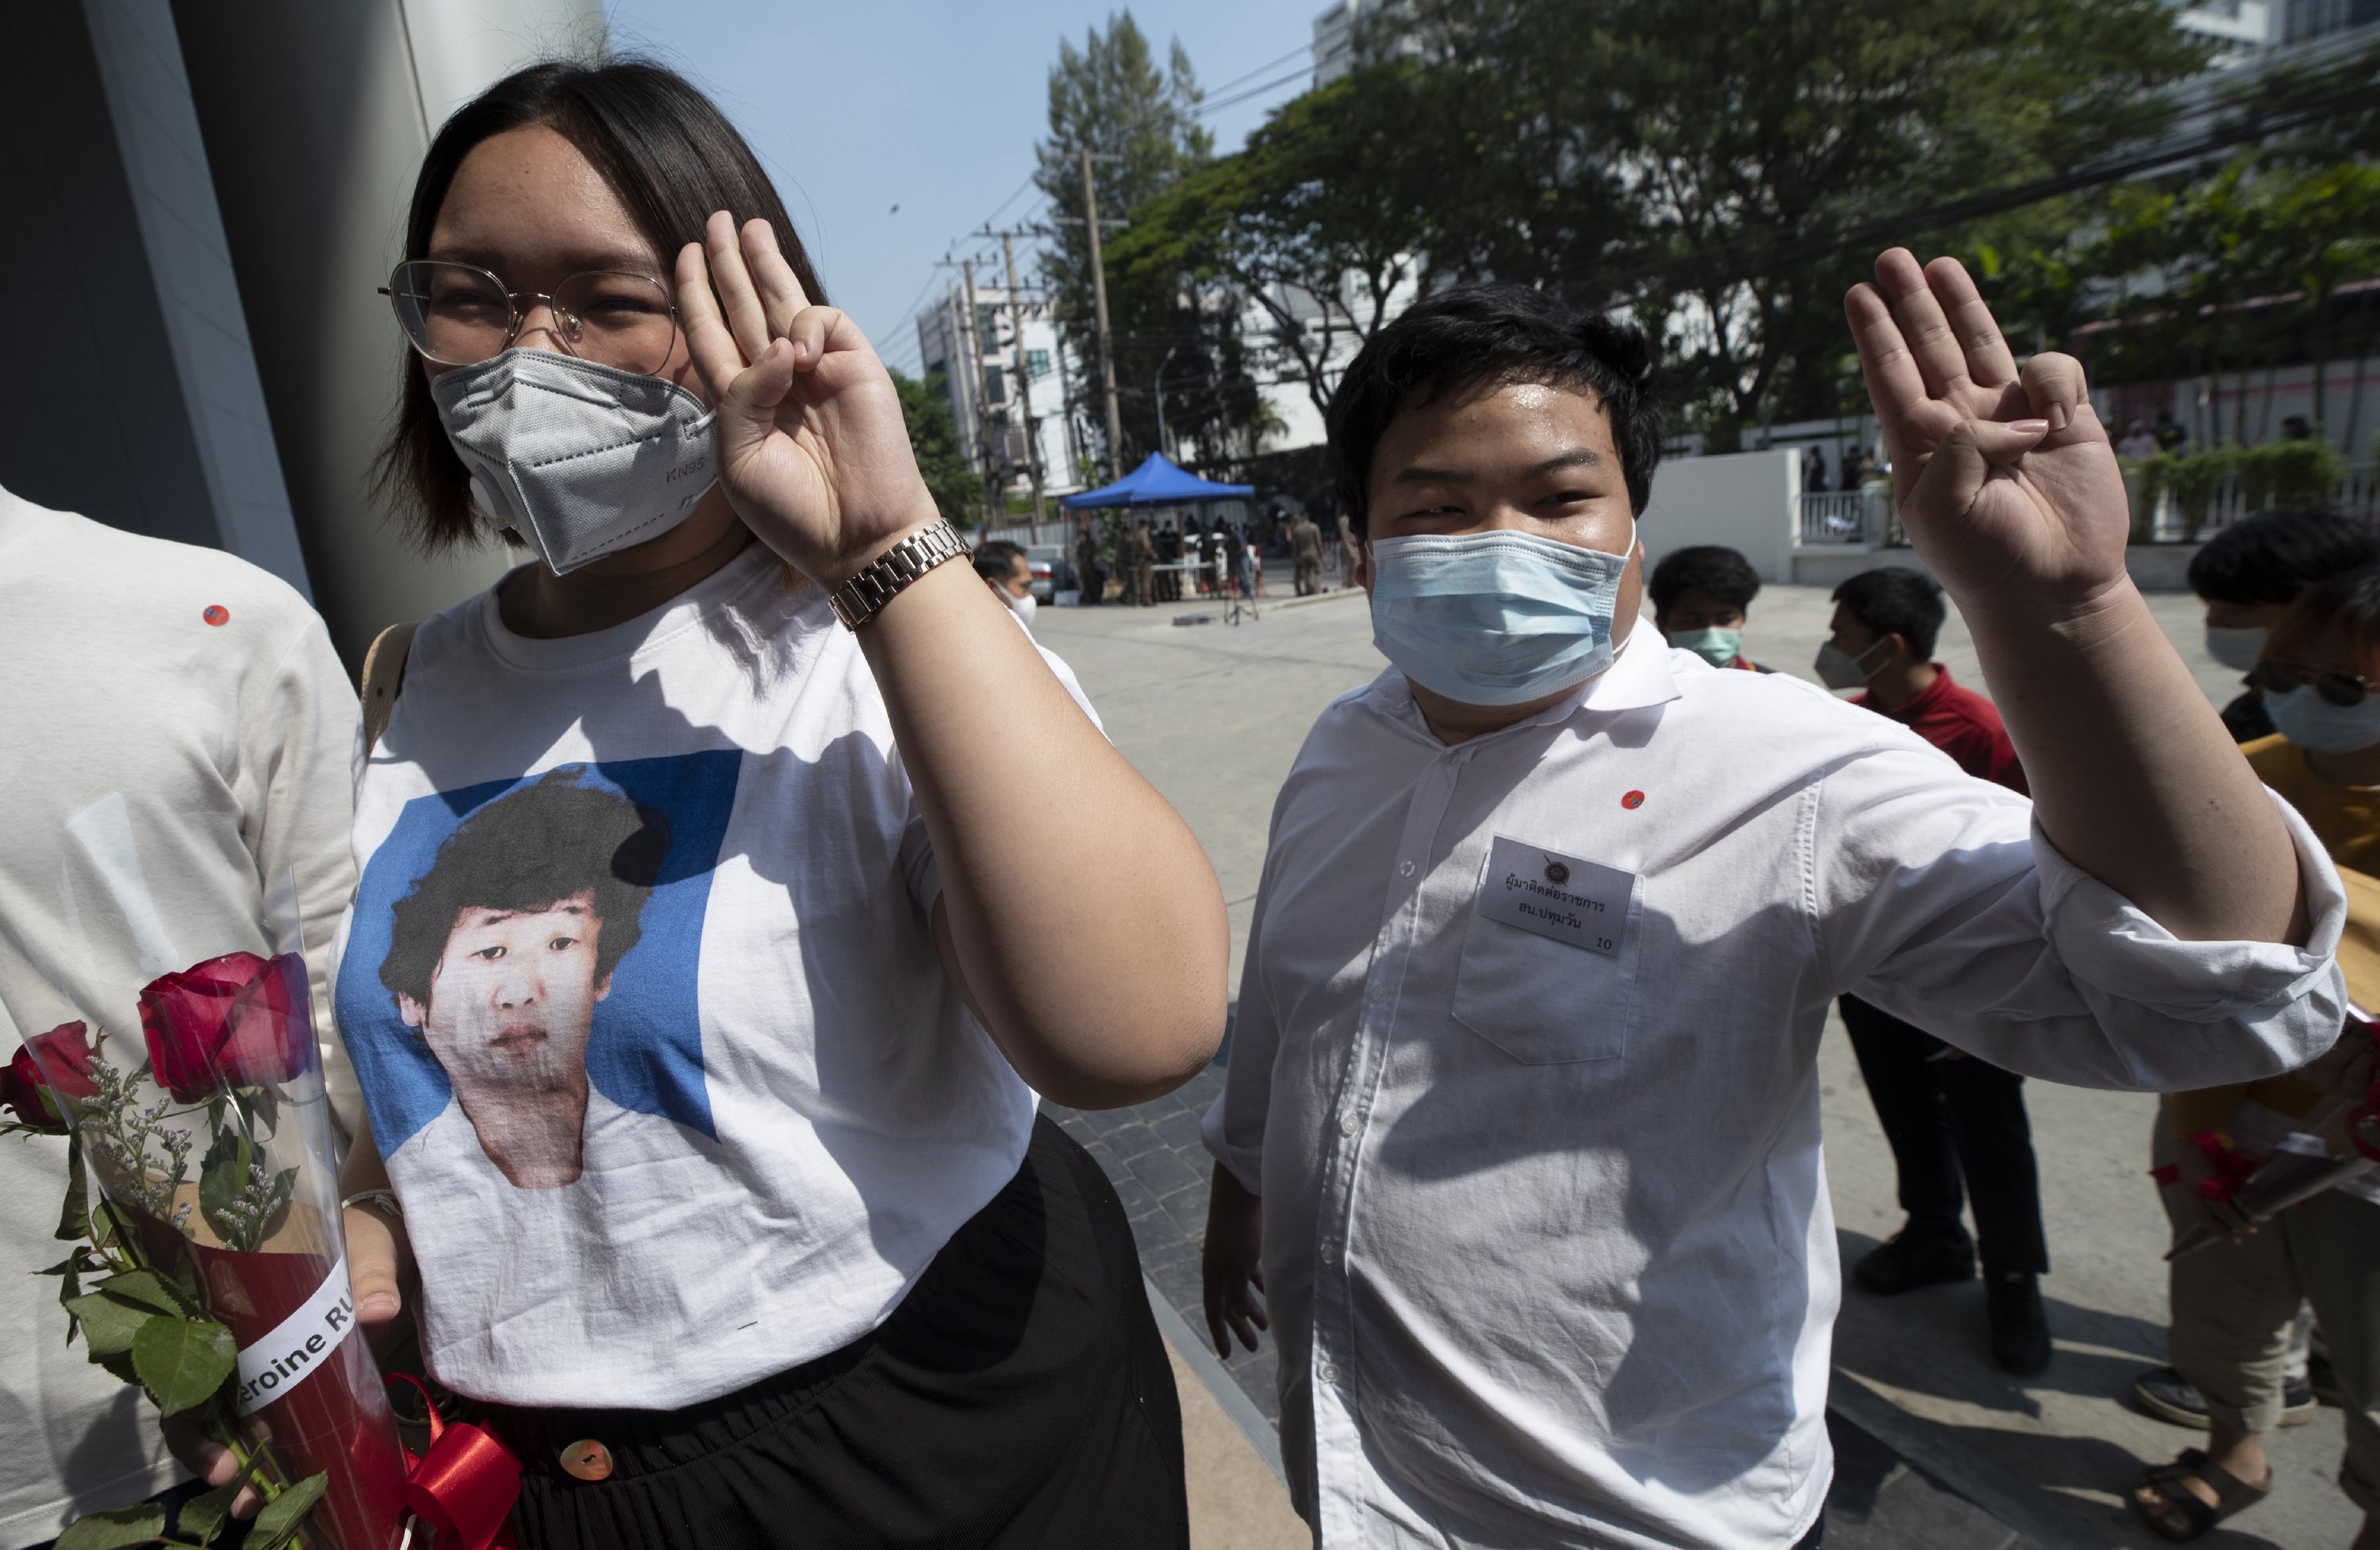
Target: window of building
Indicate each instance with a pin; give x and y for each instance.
(1037, 363)
(995, 387)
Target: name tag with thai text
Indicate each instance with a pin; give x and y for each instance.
(1561, 897)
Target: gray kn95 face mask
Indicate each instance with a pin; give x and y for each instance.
(578, 458)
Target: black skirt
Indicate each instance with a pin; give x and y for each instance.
(1019, 1397)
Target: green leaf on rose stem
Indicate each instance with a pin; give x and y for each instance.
(74, 1216)
(203, 1518)
(70, 1273)
(114, 1527)
(151, 1290)
(109, 1325)
(282, 1517)
(182, 1360)
(118, 1363)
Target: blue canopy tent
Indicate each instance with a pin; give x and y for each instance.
(1157, 482)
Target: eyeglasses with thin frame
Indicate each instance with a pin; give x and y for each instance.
(458, 314)
(2338, 688)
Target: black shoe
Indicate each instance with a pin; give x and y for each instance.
(2019, 1327)
(2169, 1396)
(2322, 1384)
(1915, 1259)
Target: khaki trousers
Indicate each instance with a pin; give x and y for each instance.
(2233, 1304)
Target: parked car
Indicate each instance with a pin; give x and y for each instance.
(1053, 571)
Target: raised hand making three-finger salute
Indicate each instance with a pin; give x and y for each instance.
(2009, 490)
(1098, 989)
(812, 448)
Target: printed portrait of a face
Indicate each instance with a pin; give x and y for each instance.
(504, 949)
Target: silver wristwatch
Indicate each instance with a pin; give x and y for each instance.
(864, 596)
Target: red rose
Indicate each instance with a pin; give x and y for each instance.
(45, 1066)
(239, 1019)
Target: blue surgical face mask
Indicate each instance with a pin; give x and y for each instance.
(2311, 721)
(1495, 618)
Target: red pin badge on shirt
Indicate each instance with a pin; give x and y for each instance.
(216, 615)
(1633, 801)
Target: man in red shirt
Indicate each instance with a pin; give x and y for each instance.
(1953, 1120)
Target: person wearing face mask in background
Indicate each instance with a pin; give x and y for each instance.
(2235, 1301)
(819, 1270)
(1957, 1125)
(1519, 1139)
(2250, 573)
(1005, 570)
(1702, 595)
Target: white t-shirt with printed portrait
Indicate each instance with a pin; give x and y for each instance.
(650, 1177)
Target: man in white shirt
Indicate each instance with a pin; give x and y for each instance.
(175, 737)
(1519, 1139)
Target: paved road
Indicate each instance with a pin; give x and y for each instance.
(1214, 714)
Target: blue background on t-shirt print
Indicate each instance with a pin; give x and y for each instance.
(644, 1049)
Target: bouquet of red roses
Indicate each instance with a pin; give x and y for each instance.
(212, 1269)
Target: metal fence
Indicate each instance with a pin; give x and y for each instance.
(2357, 495)
(1866, 517)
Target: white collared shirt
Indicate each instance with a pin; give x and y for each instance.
(1547, 1241)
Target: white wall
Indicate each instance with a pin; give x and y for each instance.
(1750, 501)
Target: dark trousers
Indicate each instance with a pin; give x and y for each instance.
(1953, 1122)
(1019, 1397)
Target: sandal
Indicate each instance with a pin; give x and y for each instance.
(2184, 1516)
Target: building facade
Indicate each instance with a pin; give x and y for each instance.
(998, 386)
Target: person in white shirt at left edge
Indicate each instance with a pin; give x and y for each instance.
(1519, 1139)
(176, 732)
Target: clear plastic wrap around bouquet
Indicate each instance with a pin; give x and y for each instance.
(210, 1266)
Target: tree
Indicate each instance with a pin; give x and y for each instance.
(1140, 123)
(934, 437)
(1745, 133)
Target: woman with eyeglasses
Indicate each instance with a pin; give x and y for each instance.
(708, 958)
(2234, 1302)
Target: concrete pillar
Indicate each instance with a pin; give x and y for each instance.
(315, 117)
(133, 397)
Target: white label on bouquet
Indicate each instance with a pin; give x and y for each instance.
(300, 1343)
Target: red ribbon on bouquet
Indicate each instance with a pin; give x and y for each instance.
(465, 1487)
(2231, 1170)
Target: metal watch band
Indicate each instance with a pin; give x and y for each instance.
(864, 596)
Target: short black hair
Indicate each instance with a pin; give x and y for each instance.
(1504, 334)
(995, 560)
(1896, 600)
(2348, 604)
(2273, 556)
(1712, 569)
(529, 849)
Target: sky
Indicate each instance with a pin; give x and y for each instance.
(894, 127)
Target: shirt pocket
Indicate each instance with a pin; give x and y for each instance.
(1544, 1002)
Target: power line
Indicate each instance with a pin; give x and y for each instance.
(1306, 47)
(1219, 104)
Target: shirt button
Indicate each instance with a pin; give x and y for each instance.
(1328, 1374)
(587, 1460)
(1329, 1254)
(1404, 869)
(1346, 1124)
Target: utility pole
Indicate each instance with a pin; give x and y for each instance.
(1023, 381)
(982, 407)
(1099, 293)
